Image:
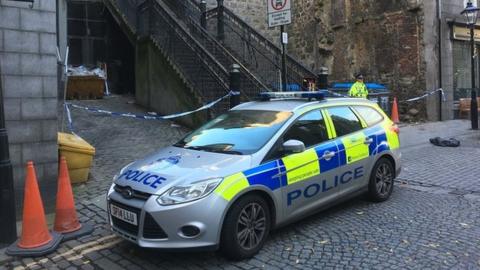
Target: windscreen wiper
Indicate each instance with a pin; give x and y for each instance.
(212, 149)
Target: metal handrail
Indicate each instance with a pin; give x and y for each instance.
(176, 42)
(210, 41)
(270, 44)
(226, 53)
(262, 46)
(211, 63)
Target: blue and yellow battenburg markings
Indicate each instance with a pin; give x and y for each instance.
(299, 167)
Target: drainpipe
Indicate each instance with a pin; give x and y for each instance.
(440, 78)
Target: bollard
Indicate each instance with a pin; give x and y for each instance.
(235, 85)
(220, 26)
(203, 10)
(474, 109)
(322, 79)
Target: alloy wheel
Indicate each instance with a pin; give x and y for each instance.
(384, 179)
(251, 226)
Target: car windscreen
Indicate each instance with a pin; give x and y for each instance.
(241, 132)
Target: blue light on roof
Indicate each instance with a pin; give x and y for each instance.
(375, 86)
(291, 95)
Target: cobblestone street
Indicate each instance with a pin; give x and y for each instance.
(432, 220)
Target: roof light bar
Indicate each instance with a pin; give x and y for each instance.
(265, 96)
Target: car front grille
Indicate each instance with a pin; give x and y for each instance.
(122, 225)
(151, 229)
(135, 193)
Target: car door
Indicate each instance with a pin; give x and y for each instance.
(373, 120)
(354, 149)
(307, 177)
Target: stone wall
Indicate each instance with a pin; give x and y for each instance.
(382, 39)
(29, 75)
(160, 88)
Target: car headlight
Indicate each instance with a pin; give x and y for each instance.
(188, 193)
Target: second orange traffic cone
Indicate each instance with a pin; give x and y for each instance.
(395, 117)
(66, 220)
(35, 240)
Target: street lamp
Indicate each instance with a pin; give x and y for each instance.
(471, 13)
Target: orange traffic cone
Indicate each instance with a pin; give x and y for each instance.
(66, 221)
(36, 240)
(395, 118)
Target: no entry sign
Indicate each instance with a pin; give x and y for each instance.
(279, 12)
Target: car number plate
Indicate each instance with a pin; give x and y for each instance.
(122, 214)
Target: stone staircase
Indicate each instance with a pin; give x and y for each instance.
(189, 37)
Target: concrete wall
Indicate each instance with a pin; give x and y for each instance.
(29, 75)
(160, 88)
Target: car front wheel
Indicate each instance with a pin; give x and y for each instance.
(380, 186)
(246, 227)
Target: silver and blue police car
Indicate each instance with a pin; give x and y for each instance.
(259, 166)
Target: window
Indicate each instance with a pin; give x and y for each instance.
(309, 129)
(236, 132)
(344, 120)
(370, 115)
(86, 32)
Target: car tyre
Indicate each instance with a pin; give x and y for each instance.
(246, 228)
(381, 183)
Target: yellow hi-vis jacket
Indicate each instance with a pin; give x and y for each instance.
(358, 89)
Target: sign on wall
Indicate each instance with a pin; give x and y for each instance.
(463, 33)
(279, 12)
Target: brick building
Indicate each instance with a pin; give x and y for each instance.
(29, 82)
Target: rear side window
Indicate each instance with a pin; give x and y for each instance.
(370, 115)
(344, 120)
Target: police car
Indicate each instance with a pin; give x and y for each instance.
(259, 166)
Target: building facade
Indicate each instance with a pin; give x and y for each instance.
(409, 45)
(29, 76)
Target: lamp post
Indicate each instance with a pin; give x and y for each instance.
(471, 13)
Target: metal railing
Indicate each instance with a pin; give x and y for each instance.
(185, 8)
(188, 53)
(151, 18)
(257, 52)
(250, 84)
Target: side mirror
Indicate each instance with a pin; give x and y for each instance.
(293, 147)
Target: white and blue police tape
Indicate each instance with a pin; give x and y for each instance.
(428, 94)
(141, 116)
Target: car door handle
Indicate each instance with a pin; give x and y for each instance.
(368, 141)
(328, 155)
